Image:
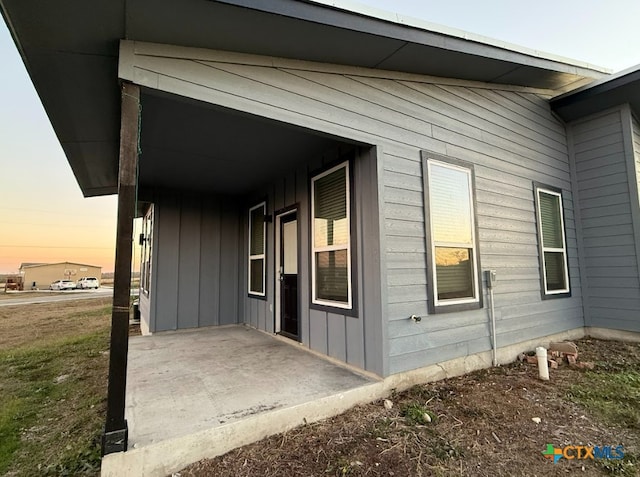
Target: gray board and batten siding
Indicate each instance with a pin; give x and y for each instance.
(636, 148)
(605, 150)
(509, 134)
(195, 261)
(200, 263)
(354, 338)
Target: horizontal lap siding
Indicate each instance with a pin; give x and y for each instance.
(634, 325)
(511, 137)
(606, 203)
(512, 140)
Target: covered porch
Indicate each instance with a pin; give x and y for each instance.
(200, 393)
(206, 168)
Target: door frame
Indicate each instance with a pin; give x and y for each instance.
(279, 214)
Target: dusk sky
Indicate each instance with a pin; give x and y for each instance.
(44, 217)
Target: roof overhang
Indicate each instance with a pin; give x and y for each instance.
(621, 88)
(70, 50)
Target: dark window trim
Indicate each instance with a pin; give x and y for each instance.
(433, 309)
(543, 293)
(251, 294)
(353, 311)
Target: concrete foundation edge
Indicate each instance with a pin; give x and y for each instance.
(607, 334)
(166, 457)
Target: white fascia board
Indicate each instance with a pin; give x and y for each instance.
(365, 10)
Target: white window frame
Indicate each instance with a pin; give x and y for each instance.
(261, 256)
(543, 249)
(330, 248)
(147, 250)
(474, 242)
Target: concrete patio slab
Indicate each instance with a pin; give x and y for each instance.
(180, 383)
(202, 393)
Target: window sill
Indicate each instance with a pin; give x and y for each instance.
(552, 296)
(336, 310)
(453, 308)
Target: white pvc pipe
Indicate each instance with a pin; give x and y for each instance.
(494, 345)
(543, 365)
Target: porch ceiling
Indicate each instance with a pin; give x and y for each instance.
(70, 50)
(190, 145)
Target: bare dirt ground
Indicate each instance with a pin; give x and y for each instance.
(481, 425)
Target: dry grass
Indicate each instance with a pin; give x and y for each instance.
(53, 376)
(23, 325)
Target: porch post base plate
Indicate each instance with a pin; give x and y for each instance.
(115, 441)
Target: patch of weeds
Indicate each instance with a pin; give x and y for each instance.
(613, 396)
(626, 467)
(343, 466)
(415, 413)
(443, 449)
(381, 428)
(81, 462)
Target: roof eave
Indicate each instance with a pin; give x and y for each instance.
(83, 66)
(621, 88)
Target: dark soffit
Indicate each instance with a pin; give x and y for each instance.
(70, 50)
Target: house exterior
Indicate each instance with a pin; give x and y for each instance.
(41, 275)
(347, 180)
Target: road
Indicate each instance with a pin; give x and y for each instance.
(25, 299)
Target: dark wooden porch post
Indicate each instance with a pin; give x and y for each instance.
(115, 431)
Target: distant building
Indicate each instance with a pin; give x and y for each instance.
(40, 275)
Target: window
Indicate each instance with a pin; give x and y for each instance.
(257, 234)
(147, 242)
(331, 238)
(452, 257)
(553, 248)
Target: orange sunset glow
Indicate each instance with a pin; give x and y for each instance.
(43, 215)
(40, 234)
